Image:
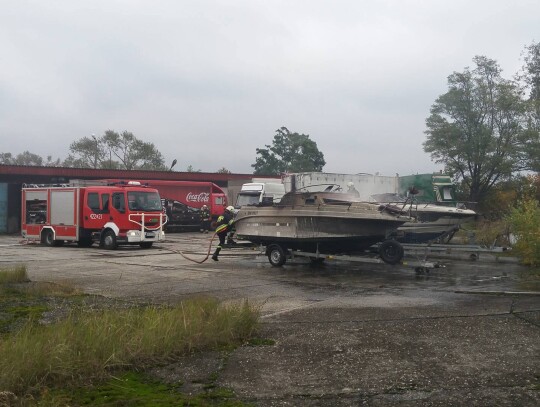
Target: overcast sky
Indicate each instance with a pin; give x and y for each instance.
(210, 81)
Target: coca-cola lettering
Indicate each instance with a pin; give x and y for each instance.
(202, 197)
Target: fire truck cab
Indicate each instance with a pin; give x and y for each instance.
(109, 215)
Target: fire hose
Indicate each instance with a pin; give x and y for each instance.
(193, 260)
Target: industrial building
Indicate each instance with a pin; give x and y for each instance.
(13, 177)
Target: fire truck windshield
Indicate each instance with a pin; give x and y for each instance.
(144, 201)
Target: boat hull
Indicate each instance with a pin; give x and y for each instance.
(432, 223)
(416, 232)
(331, 231)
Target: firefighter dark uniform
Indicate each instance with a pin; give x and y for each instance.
(205, 219)
(224, 225)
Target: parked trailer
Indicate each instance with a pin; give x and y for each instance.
(109, 215)
(381, 254)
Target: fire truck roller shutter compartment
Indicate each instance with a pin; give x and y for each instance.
(63, 208)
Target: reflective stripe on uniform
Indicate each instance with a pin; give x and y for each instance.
(221, 228)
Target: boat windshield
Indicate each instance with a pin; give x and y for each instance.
(389, 198)
(144, 201)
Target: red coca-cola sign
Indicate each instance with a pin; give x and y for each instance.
(201, 197)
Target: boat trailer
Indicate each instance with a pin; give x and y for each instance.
(277, 256)
(469, 251)
(420, 266)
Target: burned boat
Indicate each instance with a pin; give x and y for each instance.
(431, 222)
(325, 222)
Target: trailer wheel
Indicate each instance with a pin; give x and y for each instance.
(276, 255)
(391, 252)
(146, 245)
(109, 240)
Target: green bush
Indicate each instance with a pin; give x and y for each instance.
(524, 221)
(492, 233)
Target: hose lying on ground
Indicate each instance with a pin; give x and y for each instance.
(193, 260)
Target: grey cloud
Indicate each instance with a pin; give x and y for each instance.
(197, 77)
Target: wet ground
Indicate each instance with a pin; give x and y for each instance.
(346, 334)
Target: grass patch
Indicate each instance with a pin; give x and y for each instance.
(93, 345)
(22, 300)
(15, 274)
(99, 352)
(137, 389)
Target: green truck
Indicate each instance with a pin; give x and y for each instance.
(428, 188)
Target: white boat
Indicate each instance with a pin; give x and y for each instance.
(432, 221)
(326, 222)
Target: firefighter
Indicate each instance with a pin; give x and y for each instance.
(205, 219)
(224, 225)
(232, 229)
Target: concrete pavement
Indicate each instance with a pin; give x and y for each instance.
(344, 334)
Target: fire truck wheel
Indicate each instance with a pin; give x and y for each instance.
(146, 245)
(109, 240)
(47, 238)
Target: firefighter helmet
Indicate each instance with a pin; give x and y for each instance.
(230, 209)
(204, 207)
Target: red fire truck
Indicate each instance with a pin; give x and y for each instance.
(107, 214)
(182, 200)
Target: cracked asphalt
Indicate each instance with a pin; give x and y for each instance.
(344, 334)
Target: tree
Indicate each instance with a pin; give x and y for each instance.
(134, 153)
(223, 170)
(531, 71)
(290, 152)
(190, 168)
(115, 151)
(28, 158)
(477, 128)
(508, 193)
(531, 78)
(87, 152)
